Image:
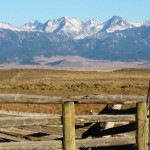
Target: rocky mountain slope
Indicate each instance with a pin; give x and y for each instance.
(115, 40)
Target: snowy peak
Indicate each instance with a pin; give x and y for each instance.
(75, 28)
(116, 20)
(50, 26)
(28, 26)
(116, 23)
(65, 25)
(32, 26)
(94, 23)
(71, 25)
(8, 26)
(91, 27)
(146, 23)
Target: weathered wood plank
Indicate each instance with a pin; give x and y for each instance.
(12, 138)
(57, 119)
(101, 99)
(29, 121)
(53, 144)
(38, 145)
(23, 114)
(32, 99)
(104, 118)
(112, 141)
(108, 99)
(17, 131)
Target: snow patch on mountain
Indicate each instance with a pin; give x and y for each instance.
(28, 26)
(8, 26)
(91, 27)
(75, 28)
(140, 24)
(66, 25)
(116, 23)
(36, 26)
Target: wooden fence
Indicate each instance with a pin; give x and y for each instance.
(69, 120)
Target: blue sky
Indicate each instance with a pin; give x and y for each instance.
(18, 12)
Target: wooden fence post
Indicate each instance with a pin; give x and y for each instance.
(69, 125)
(142, 132)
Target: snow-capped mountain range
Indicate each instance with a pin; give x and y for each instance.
(75, 28)
(114, 40)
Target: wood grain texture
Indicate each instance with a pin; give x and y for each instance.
(29, 121)
(99, 99)
(69, 126)
(53, 145)
(142, 129)
(57, 120)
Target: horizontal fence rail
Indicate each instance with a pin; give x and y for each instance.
(53, 144)
(23, 114)
(29, 99)
(68, 120)
(57, 120)
(98, 99)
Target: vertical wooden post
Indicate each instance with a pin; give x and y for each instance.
(149, 121)
(142, 132)
(69, 125)
(148, 109)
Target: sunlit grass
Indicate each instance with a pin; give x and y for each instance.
(66, 83)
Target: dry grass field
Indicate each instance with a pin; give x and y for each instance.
(66, 83)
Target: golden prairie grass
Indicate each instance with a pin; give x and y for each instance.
(66, 83)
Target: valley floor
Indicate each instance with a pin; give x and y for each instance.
(66, 83)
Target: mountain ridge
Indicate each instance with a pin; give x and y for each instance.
(75, 28)
(113, 40)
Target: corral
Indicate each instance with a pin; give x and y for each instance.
(32, 131)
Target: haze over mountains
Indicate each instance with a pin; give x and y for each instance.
(114, 40)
